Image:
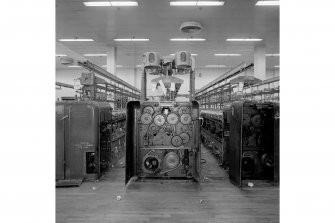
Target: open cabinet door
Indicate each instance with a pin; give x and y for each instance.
(276, 144)
(235, 149)
(131, 139)
(197, 135)
(60, 142)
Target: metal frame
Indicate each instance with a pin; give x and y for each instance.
(219, 92)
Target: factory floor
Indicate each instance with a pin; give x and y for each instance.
(214, 199)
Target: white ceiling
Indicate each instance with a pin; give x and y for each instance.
(158, 21)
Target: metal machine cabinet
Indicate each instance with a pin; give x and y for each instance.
(254, 137)
(81, 138)
(163, 140)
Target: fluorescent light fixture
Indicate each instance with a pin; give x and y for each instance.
(126, 3)
(76, 40)
(277, 66)
(227, 54)
(192, 54)
(197, 3)
(112, 3)
(245, 40)
(267, 3)
(138, 65)
(72, 66)
(61, 55)
(97, 4)
(215, 66)
(272, 55)
(95, 55)
(131, 40)
(187, 39)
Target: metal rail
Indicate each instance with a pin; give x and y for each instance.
(92, 67)
(64, 85)
(235, 71)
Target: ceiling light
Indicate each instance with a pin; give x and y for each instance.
(187, 39)
(97, 3)
(61, 55)
(127, 40)
(138, 65)
(267, 3)
(272, 55)
(246, 40)
(197, 3)
(227, 54)
(75, 40)
(112, 3)
(215, 66)
(126, 3)
(277, 66)
(73, 66)
(95, 55)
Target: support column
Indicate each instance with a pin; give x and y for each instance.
(111, 60)
(259, 61)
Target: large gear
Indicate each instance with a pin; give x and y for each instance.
(148, 109)
(159, 120)
(176, 141)
(146, 118)
(186, 119)
(172, 118)
(183, 110)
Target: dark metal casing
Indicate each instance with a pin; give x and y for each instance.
(79, 137)
(254, 142)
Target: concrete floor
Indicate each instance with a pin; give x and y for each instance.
(214, 199)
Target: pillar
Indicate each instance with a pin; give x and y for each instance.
(259, 61)
(111, 60)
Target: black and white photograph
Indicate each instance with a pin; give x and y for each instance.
(167, 111)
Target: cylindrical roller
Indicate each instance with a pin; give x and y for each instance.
(186, 119)
(172, 118)
(146, 118)
(159, 120)
(185, 137)
(176, 141)
(148, 109)
(171, 160)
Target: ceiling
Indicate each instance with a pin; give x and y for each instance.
(158, 21)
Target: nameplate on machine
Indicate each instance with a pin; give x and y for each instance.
(83, 145)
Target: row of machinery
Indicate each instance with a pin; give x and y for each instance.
(244, 136)
(162, 138)
(90, 137)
